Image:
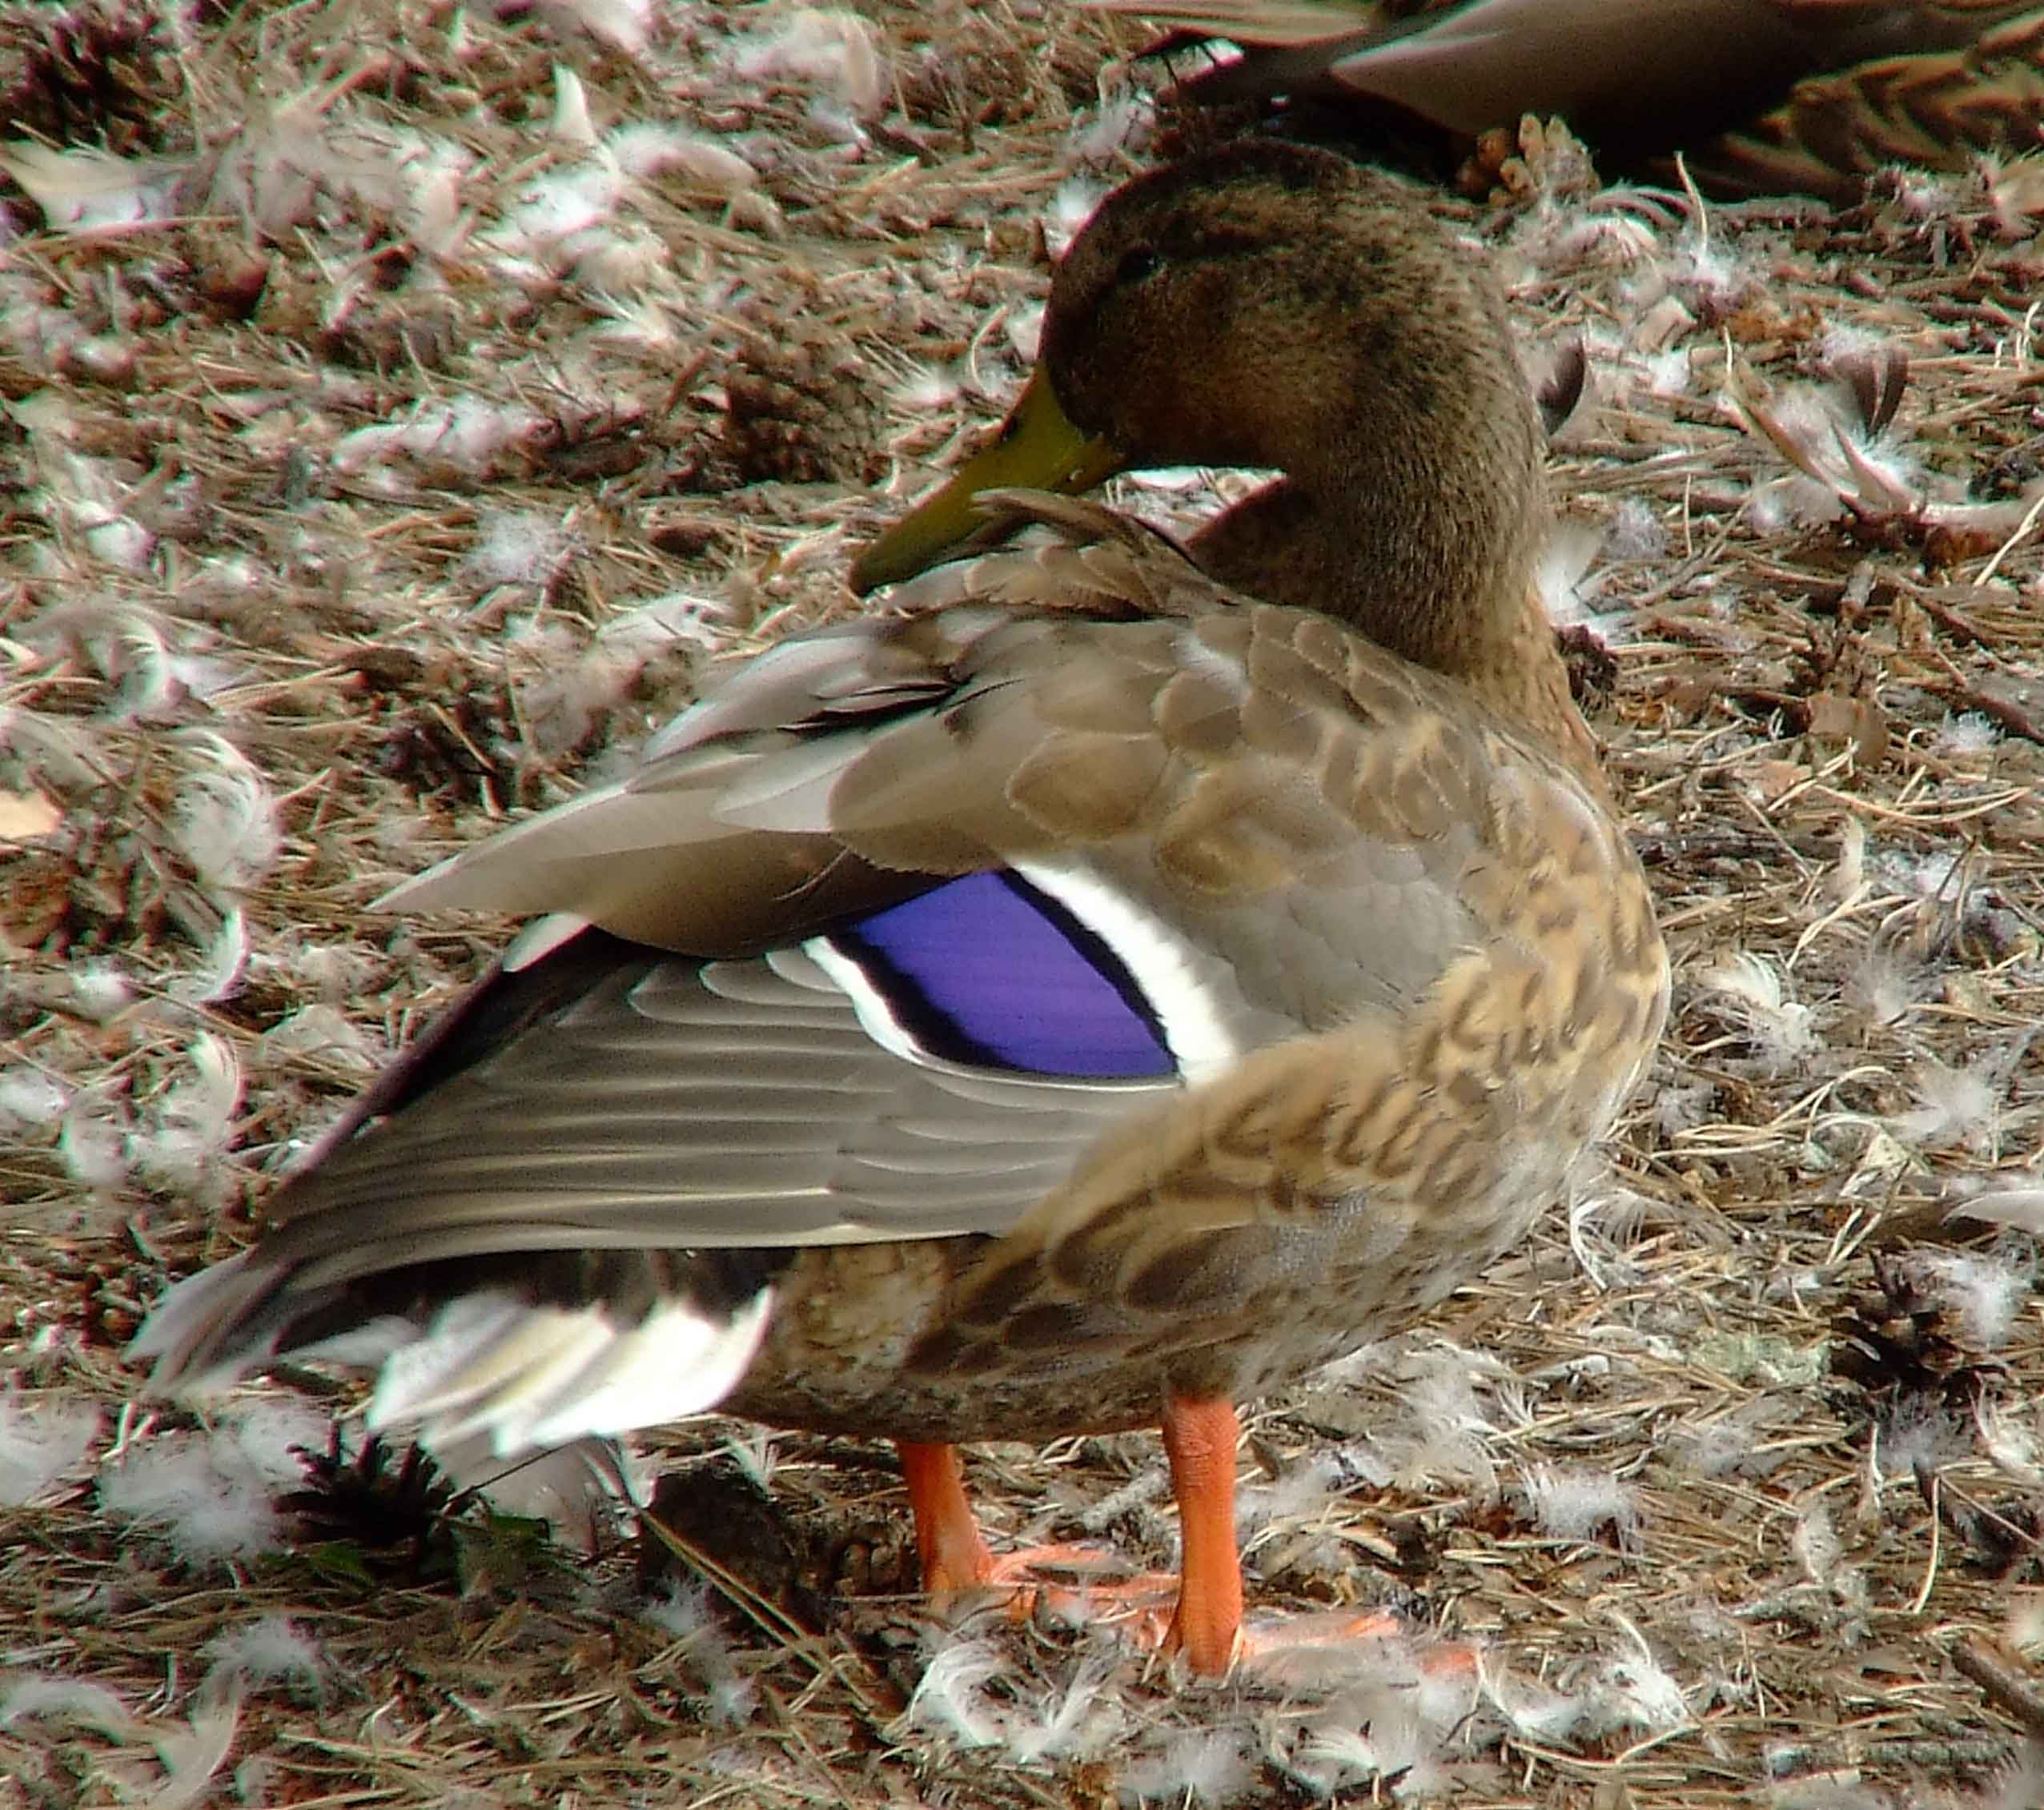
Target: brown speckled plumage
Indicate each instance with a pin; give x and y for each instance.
(1313, 789)
(1389, 1157)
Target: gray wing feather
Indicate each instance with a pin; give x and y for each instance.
(690, 1106)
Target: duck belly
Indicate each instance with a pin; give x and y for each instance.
(907, 1340)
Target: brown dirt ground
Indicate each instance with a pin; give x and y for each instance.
(404, 466)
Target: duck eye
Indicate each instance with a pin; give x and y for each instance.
(1137, 264)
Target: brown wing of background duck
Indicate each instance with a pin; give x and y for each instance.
(1760, 96)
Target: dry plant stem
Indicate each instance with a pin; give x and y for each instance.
(2005, 1687)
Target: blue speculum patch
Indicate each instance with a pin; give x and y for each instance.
(991, 972)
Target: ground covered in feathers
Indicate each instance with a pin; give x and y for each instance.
(401, 406)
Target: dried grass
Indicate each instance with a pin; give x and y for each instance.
(327, 545)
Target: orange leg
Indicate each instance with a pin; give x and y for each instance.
(953, 1556)
(1199, 1440)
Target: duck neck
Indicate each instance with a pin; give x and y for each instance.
(1441, 577)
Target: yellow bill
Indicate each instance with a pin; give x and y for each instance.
(1036, 448)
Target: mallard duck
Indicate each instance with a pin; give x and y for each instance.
(1762, 97)
(1082, 1000)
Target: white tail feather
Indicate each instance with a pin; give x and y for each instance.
(524, 1377)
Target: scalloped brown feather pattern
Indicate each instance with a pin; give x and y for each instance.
(1936, 110)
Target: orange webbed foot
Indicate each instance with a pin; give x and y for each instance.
(1197, 1615)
